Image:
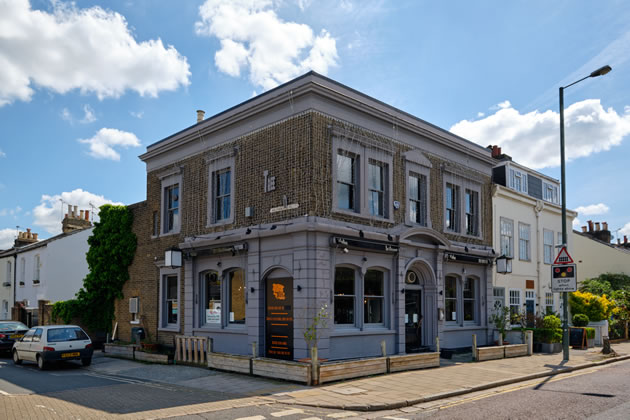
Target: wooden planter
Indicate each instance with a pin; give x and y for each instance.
(119, 350)
(152, 357)
(229, 362)
(336, 371)
(282, 369)
(515, 350)
(413, 361)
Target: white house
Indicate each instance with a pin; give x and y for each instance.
(7, 267)
(595, 255)
(527, 227)
(53, 269)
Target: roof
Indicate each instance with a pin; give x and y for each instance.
(613, 246)
(313, 81)
(45, 242)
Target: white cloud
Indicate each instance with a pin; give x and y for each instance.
(480, 114)
(67, 116)
(253, 38)
(593, 209)
(49, 213)
(11, 212)
(89, 116)
(137, 115)
(533, 138)
(103, 143)
(577, 224)
(92, 50)
(7, 236)
(625, 230)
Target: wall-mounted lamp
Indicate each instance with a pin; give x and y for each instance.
(345, 250)
(299, 288)
(173, 257)
(466, 248)
(248, 231)
(464, 271)
(252, 289)
(504, 264)
(217, 238)
(389, 237)
(273, 227)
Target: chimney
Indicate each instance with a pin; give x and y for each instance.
(584, 229)
(28, 234)
(25, 238)
(596, 226)
(200, 115)
(75, 220)
(495, 151)
(590, 225)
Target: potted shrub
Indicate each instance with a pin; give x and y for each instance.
(590, 337)
(550, 335)
(501, 319)
(580, 321)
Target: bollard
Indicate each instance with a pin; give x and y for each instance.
(474, 347)
(314, 366)
(529, 338)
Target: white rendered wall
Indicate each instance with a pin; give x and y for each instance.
(67, 266)
(594, 258)
(6, 293)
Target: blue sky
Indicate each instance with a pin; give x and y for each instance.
(86, 86)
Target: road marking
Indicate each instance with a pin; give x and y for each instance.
(394, 418)
(252, 418)
(342, 415)
(4, 393)
(287, 412)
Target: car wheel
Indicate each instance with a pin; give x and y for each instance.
(87, 361)
(40, 363)
(16, 358)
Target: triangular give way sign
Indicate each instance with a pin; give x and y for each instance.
(563, 257)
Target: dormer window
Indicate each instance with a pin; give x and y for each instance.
(550, 193)
(518, 180)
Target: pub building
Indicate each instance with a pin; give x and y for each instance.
(313, 195)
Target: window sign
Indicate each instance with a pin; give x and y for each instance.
(213, 315)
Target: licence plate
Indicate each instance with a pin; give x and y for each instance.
(16, 336)
(74, 354)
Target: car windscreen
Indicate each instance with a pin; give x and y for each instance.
(11, 326)
(65, 334)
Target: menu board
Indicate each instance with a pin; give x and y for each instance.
(279, 319)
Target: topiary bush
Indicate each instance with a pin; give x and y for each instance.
(580, 320)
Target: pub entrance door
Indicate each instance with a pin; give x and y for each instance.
(279, 318)
(413, 320)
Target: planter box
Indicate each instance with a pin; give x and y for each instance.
(413, 361)
(514, 337)
(282, 369)
(229, 362)
(550, 347)
(152, 357)
(490, 353)
(117, 350)
(337, 371)
(601, 331)
(515, 350)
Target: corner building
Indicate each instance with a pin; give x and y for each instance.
(314, 194)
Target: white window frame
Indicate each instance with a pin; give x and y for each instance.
(515, 174)
(515, 300)
(524, 244)
(384, 309)
(381, 193)
(22, 271)
(168, 182)
(218, 165)
(475, 299)
(510, 241)
(418, 165)
(550, 193)
(498, 293)
(456, 205)
(548, 247)
(8, 279)
(363, 153)
(163, 319)
(550, 302)
(36, 272)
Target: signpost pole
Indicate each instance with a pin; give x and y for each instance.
(565, 295)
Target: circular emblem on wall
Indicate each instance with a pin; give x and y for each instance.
(411, 277)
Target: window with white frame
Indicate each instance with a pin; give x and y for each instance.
(469, 297)
(171, 209)
(170, 301)
(373, 296)
(418, 198)
(472, 212)
(549, 303)
(347, 170)
(450, 298)
(518, 180)
(222, 195)
(221, 190)
(376, 187)
(452, 207)
(36, 269)
(524, 242)
(507, 237)
(550, 193)
(344, 296)
(548, 246)
(515, 302)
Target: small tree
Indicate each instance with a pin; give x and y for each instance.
(319, 321)
(500, 318)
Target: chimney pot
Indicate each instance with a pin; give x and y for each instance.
(87, 215)
(596, 226)
(75, 212)
(69, 211)
(499, 152)
(35, 235)
(584, 229)
(81, 214)
(590, 225)
(625, 239)
(200, 115)
(605, 226)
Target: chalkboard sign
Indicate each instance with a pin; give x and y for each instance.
(577, 338)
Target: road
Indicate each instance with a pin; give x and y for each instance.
(598, 393)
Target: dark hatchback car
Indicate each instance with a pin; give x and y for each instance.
(9, 332)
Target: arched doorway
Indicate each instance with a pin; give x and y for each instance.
(279, 315)
(420, 308)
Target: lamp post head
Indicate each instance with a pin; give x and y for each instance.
(601, 71)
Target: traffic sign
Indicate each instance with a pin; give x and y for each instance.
(563, 257)
(563, 278)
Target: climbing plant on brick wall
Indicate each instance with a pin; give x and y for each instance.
(112, 248)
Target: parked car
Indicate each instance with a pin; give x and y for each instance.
(53, 343)
(9, 332)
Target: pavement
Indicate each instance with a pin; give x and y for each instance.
(145, 391)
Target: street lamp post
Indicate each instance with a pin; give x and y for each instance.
(565, 296)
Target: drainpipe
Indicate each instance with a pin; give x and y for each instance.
(538, 209)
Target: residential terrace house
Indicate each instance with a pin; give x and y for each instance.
(527, 229)
(313, 194)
